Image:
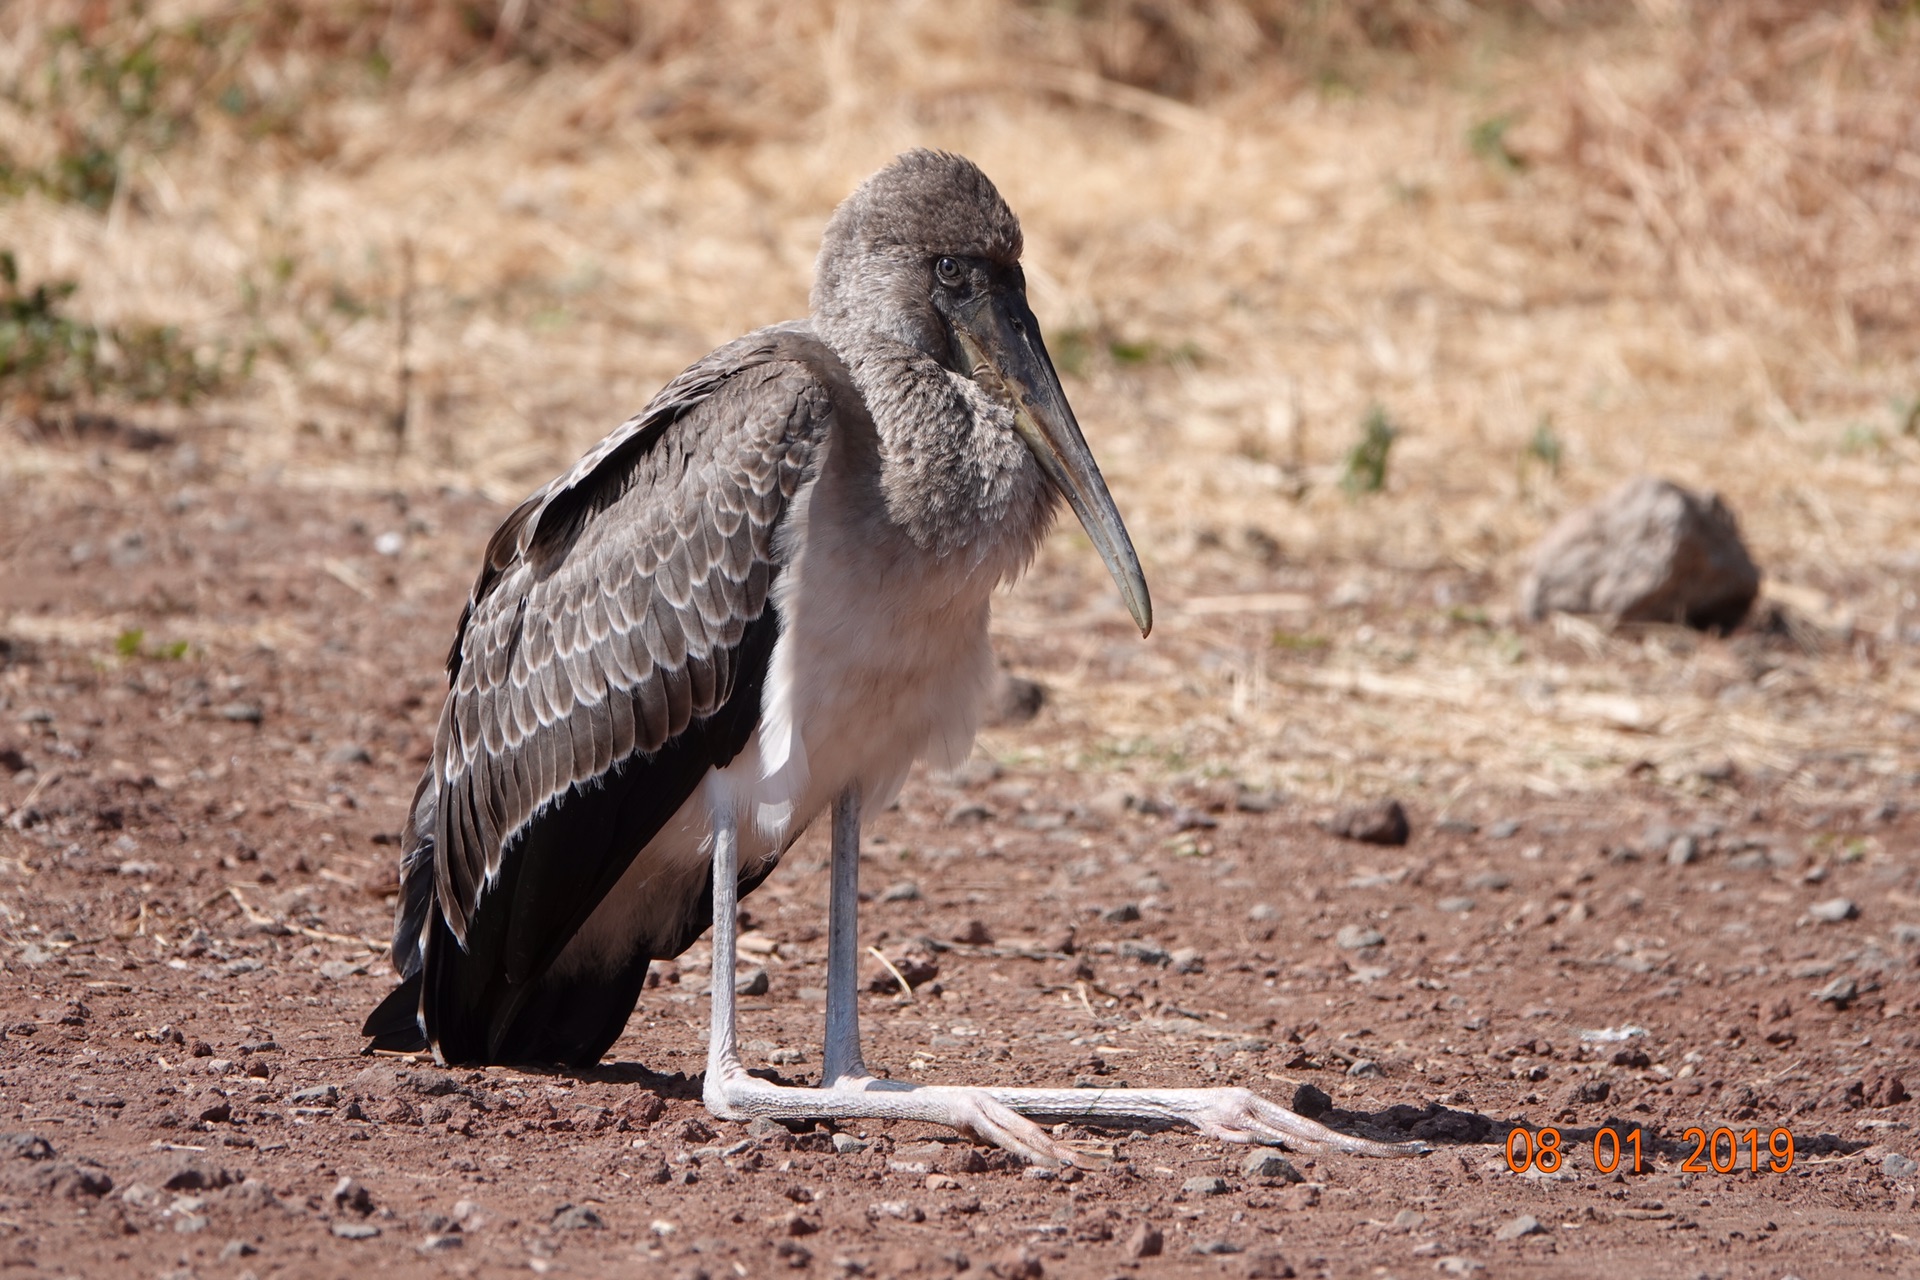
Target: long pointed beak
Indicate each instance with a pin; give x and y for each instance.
(1003, 336)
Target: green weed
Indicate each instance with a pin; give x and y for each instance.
(1366, 469)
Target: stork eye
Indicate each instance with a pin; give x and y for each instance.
(947, 270)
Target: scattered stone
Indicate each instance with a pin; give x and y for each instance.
(1207, 1248)
(1311, 1102)
(1261, 912)
(237, 1249)
(1887, 1091)
(973, 933)
(1408, 1219)
(694, 1129)
(1297, 1199)
(1269, 1266)
(1649, 551)
(1205, 1185)
(215, 1108)
(1019, 1263)
(242, 713)
(905, 891)
(82, 1180)
(1505, 829)
(25, 1146)
(1456, 827)
(1489, 882)
(355, 1230)
(1833, 910)
(899, 1210)
(752, 981)
(319, 1095)
(1271, 1164)
(1455, 906)
(1013, 699)
(1682, 851)
(1145, 1242)
(1383, 822)
(1364, 1069)
(1356, 937)
(1586, 1092)
(848, 1145)
(350, 753)
(1899, 1166)
(577, 1217)
(1524, 1225)
(443, 1242)
(194, 1175)
(1187, 960)
(349, 1196)
(1144, 952)
(1839, 993)
(1125, 913)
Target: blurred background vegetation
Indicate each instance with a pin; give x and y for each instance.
(1368, 290)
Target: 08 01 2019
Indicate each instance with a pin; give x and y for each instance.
(1721, 1150)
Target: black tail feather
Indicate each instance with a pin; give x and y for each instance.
(395, 1023)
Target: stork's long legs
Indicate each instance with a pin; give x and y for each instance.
(996, 1115)
(732, 1094)
(842, 1060)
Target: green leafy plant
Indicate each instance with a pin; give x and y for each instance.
(47, 357)
(1366, 469)
(1488, 140)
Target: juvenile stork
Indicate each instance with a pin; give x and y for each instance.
(765, 595)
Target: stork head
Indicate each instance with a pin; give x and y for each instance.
(923, 261)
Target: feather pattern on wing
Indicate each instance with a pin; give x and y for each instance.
(611, 602)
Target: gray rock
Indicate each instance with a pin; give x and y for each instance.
(1187, 960)
(355, 1230)
(577, 1217)
(1383, 822)
(1205, 1185)
(1356, 937)
(1899, 1166)
(751, 982)
(1455, 906)
(1125, 913)
(1649, 551)
(905, 891)
(846, 1144)
(1833, 910)
(1682, 851)
(1013, 699)
(1505, 829)
(350, 753)
(319, 1095)
(1146, 1242)
(1145, 952)
(1364, 1069)
(1839, 993)
(1524, 1225)
(1271, 1164)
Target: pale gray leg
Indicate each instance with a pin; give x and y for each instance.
(994, 1115)
(842, 1050)
(731, 1094)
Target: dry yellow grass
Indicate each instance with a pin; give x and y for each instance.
(1685, 236)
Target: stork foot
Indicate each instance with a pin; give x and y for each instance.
(975, 1113)
(1231, 1115)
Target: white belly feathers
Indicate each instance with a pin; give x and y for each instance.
(880, 662)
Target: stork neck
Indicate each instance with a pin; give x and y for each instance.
(954, 475)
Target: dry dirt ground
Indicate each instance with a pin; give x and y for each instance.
(197, 854)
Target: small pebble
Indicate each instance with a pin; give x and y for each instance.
(1505, 829)
(1355, 937)
(1524, 1225)
(1833, 910)
(1455, 906)
(1682, 851)
(846, 1144)
(355, 1230)
(1205, 1185)
(1271, 1164)
(1364, 1069)
(1145, 1242)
